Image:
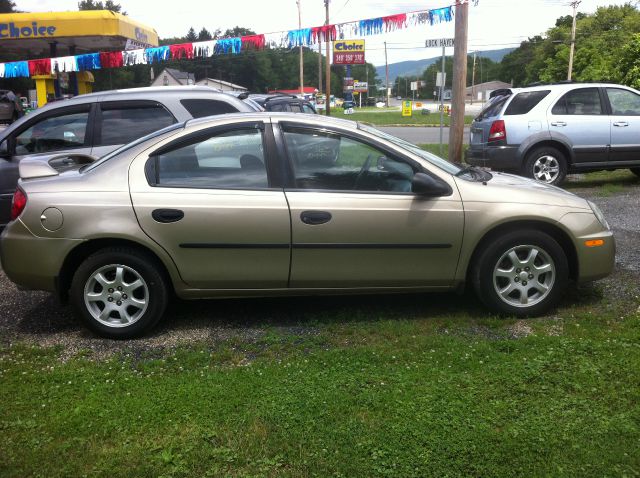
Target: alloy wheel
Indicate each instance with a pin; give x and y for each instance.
(116, 295)
(524, 276)
(546, 169)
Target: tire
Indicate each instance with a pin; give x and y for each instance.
(135, 302)
(508, 279)
(635, 171)
(546, 164)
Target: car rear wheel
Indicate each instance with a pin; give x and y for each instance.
(636, 171)
(547, 165)
(522, 273)
(119, 293)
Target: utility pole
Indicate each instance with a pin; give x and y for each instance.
(298, 2)
(319, 64)
(366, 69)
(574, 4)
(386, 73)
(459, 83)
(473, 76)
(328, 65)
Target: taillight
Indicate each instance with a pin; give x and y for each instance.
(18, 203)
(498, 132)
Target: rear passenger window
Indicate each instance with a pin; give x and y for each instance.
(229, 160)
(198, 108)
(525, 102)
(583, 101)
(124, 123)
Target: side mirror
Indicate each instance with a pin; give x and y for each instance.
(426, 185)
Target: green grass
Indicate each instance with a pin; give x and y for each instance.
(605, 183)
(382, 118)
(376, 386)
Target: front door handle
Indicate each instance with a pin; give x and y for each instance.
(167, 215)
(558, 123)
(315, 217)
(620, 124)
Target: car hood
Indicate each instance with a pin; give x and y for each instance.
(509, 188)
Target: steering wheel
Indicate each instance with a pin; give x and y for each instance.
(363, 171)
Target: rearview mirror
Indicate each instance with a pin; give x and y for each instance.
(426, 185)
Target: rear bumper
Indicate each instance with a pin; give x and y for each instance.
(495, 157)
(32, 262)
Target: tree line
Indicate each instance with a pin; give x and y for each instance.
(607, 49)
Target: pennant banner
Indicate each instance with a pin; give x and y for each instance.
(226, 46)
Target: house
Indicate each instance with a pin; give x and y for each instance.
(172, 77)
(221, 85)
(482, 91)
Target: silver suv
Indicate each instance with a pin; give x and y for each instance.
(547, 131)
(98, 123)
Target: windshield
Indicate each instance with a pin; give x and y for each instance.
(432, 158)
(128, 146)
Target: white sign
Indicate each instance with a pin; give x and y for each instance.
(439, 80)
(439, 43)
(414, 86)
(360, 86)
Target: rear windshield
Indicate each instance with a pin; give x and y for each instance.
(493, 107)
(199, 108)
(525, 102)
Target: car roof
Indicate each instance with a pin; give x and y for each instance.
(564, 86)
(318, 120)
(154, 90)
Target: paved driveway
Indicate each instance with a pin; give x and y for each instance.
(421, 135)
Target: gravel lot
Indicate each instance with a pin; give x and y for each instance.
(36, 317)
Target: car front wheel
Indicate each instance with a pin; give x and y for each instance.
(547, 165)
(119, 293)
(522, 273)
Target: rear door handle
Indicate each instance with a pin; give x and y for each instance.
(558, 123)
(315, 217)
(620, 124)
(167, 215)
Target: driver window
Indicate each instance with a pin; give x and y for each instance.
(623, 102)
(66, 131)
(330, 161)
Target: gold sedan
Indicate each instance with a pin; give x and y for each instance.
(266, 204)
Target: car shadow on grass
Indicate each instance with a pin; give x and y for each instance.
(203, 320)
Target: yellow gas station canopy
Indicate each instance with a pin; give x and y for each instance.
(87, 31)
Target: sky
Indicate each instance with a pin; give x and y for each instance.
(493, 24)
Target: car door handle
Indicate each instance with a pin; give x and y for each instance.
(620, 124)
(558, 123)
(315, 217)
(167, 215)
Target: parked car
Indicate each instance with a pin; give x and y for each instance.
(547, 131)
(284, 103)
(97, 123)
(272, 204)
(10, 107)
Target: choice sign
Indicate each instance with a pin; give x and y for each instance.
(348, 52)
